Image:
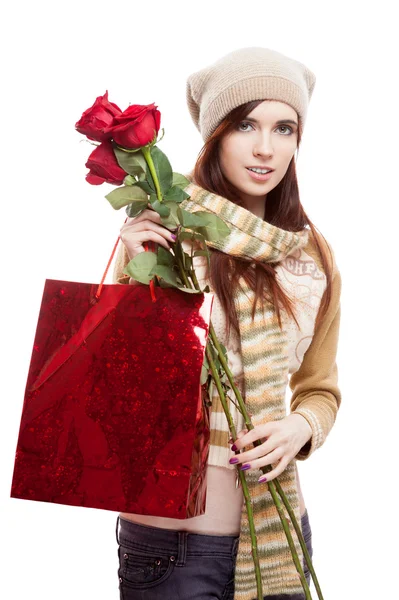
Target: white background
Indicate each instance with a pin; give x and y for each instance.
(56, 59)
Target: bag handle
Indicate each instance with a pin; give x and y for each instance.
(147, 246)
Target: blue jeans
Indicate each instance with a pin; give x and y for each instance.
(163, 564)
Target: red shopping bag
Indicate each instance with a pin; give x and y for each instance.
(113, 416)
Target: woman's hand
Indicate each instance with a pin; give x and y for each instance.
(147, 226)
(284, 440)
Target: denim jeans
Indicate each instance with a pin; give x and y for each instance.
(163, 564)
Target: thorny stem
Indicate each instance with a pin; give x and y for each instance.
(232, 428)
(299, 533)
(247, 497)
(147, 155)
(271, 484)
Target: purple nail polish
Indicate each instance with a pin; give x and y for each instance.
(262, 479)
(233, 461)
(173, 236)
(246, 466)
(234, 447)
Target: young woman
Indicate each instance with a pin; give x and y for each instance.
(250, 107)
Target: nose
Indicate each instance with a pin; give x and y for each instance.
(263, 146)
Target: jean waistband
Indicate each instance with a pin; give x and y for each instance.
(170, 540)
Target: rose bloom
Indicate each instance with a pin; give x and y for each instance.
(136, 126)
(104, 166)
(96, 118)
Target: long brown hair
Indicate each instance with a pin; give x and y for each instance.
(283, 209)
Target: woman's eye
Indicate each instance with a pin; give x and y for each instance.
(246, 123)
(285, 127)
(243, 123)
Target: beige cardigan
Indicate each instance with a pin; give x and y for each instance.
(313, 370)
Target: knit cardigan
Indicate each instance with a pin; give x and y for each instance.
(312, 376)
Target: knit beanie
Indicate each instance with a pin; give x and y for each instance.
(242, 76)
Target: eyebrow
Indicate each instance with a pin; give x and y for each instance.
(281, 122)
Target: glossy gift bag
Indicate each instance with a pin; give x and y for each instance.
(113, 415)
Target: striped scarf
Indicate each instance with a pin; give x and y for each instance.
(265, 365)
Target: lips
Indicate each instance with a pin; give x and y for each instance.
(263, 168)
(259, 176)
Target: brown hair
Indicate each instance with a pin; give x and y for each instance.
(283, 209)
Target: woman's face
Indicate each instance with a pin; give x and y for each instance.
(266, 137)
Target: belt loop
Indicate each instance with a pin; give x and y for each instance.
(182, 549)
(116, 530)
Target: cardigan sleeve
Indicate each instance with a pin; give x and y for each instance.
(315, 392)
(122, 259)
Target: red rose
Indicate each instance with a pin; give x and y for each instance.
(104, 166)
(97, 117)
(136, 126)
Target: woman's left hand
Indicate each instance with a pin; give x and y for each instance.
(284, 440)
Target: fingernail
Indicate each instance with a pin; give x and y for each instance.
(233, 461)
(173, 236)
(262, 479)
(234, 447)
(245, 467)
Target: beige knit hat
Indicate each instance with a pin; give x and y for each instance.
(242, 76)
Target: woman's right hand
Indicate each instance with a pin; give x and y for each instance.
(147, 226)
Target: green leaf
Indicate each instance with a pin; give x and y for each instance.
(141, 265)
(144, 185)
(189, 290)
(223, 350)
(132, 163)
(211, 387)
(162, 168)
(180, 180)
(164, 257)
(129, 180)
(167, 274)
(159, 139)
(191, 220)
(204, 375)
(175, 194)
(213, 349)
(135, 208)
(172, 221)
(122, 196)
(161, 208)
(164, 284)
(189, 235)
(170, 277)
(217, 363)
(215, 228)
(215, 357)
